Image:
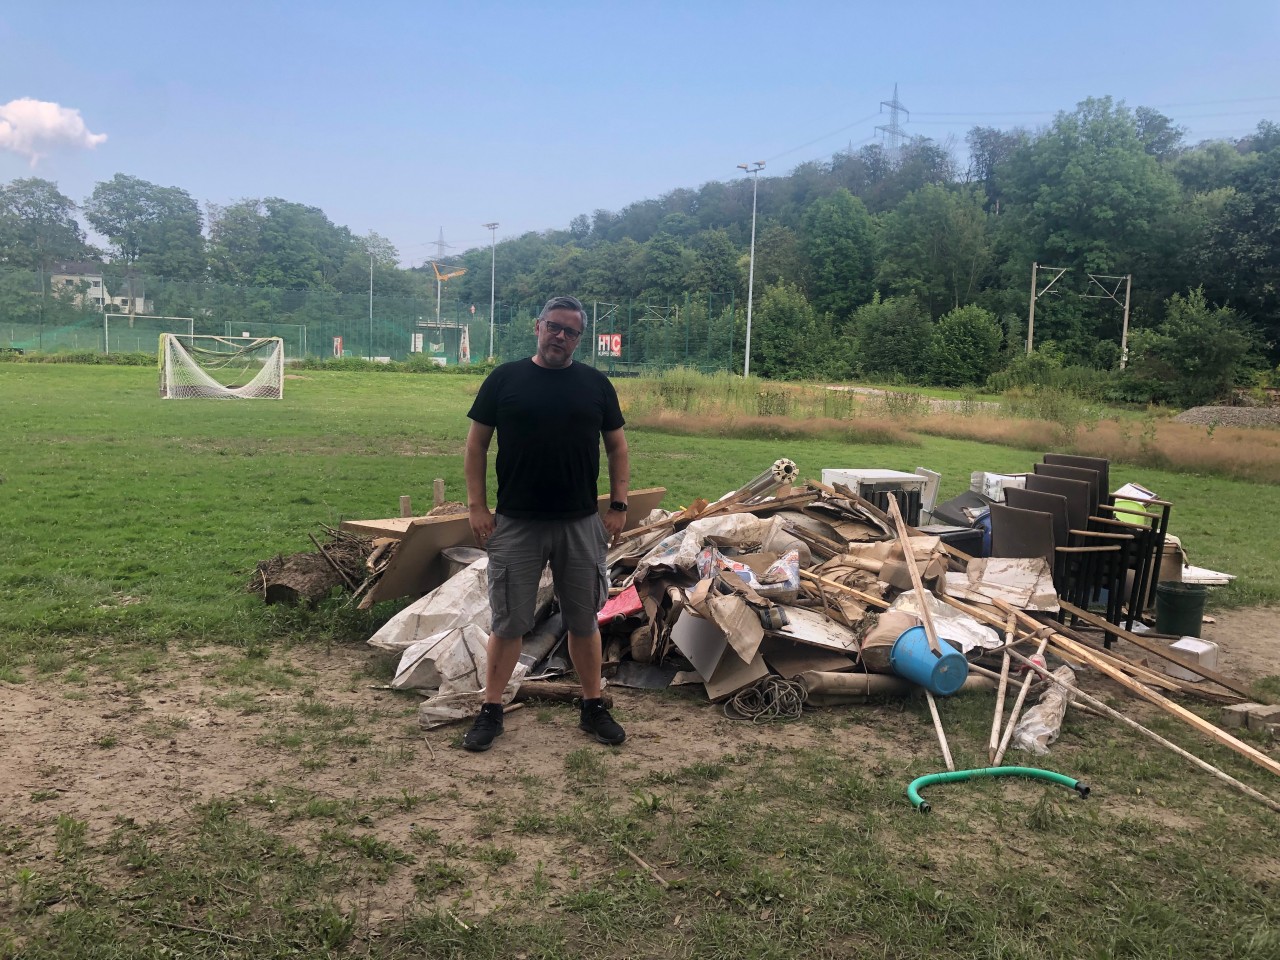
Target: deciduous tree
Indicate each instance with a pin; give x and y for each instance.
(38, 225)
(154, 229)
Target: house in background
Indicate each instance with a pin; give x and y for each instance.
(83, 282)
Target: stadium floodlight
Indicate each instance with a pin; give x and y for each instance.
(753, 168)
(493, 274)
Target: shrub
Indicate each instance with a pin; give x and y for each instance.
(892, 337)
(1195, 357)
(964, 348)
(1044, 369)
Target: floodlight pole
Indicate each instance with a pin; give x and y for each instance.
(754, 169)
(370, 304)
(493, 274)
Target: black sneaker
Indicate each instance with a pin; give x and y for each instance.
(597, 722)
(486, 729)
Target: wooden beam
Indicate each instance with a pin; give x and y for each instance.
(1215, 733)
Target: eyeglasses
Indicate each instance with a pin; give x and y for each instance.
(553, 328)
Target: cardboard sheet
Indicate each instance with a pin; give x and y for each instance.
(1023, 583)
(707, 647)
(790, 659)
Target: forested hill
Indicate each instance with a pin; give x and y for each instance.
(862, 260)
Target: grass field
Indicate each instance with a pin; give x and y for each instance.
(128, 527)
(129, 518)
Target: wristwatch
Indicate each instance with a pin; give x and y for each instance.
(619, 505)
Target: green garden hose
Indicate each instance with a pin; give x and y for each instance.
(951, 776)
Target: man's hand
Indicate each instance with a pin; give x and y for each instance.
(481, 524)
(614, 521)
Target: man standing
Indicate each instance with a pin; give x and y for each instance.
(550, 414)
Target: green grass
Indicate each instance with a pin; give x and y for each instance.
(131, 519)
(129, 527)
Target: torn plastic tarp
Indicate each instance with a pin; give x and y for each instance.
(679, 551)
(460, 600)
(452, 663)
(1040, 726)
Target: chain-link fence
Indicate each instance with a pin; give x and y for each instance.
(109, 313)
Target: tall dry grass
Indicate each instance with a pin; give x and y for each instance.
(689, 403)
(1241, 453)
(741, 426)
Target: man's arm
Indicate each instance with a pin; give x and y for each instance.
(615, 447)
(475, 464)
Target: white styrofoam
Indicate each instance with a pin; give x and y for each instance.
(1203, 652)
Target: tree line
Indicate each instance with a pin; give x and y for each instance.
(871, 263)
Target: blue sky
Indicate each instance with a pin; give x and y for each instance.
(406, 118)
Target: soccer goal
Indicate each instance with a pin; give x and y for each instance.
(223, 368)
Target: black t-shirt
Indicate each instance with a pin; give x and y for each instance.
(548, 424)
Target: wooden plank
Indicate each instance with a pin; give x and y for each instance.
(926, 617)
(1086, 655)
(1139, 641)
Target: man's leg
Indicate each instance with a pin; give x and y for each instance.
(516, 558)
(503, 653)
(585, 652)
(577, 563)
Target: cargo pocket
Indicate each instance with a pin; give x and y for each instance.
(499, 594)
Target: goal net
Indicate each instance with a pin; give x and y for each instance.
(221, 367)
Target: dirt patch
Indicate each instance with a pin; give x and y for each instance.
(1248, 641)
(310, 723)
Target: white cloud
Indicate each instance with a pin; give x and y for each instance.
(31, 128)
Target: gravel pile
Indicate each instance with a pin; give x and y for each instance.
(1231, 416)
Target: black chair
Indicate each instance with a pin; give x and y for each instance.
(1096, 493)
(1080, 570)
(1079, 496)
(1103, 573)
(1100, 464)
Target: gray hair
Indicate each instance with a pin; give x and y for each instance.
(564, 303)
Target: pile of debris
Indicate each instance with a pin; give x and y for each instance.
(784, 595)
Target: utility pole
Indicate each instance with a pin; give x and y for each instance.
(1036, 294)
(1031, 314)
(1111, 293)
(370, 304)
(754, 169)
(1124, 329)
(493, 275)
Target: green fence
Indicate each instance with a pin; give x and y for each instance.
(703, 331)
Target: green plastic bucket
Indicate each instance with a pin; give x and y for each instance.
(1179, 608)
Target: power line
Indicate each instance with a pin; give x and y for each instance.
(861, 120)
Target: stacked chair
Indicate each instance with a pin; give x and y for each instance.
(1101, 553)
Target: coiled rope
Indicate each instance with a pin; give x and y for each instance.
(771, 699)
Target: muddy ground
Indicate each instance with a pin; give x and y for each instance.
(151, 745)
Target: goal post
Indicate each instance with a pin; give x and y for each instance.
(221, 368)
(135, 332)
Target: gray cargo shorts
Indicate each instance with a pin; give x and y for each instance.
(520, 549)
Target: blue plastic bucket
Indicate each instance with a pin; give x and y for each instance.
(911, 658)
